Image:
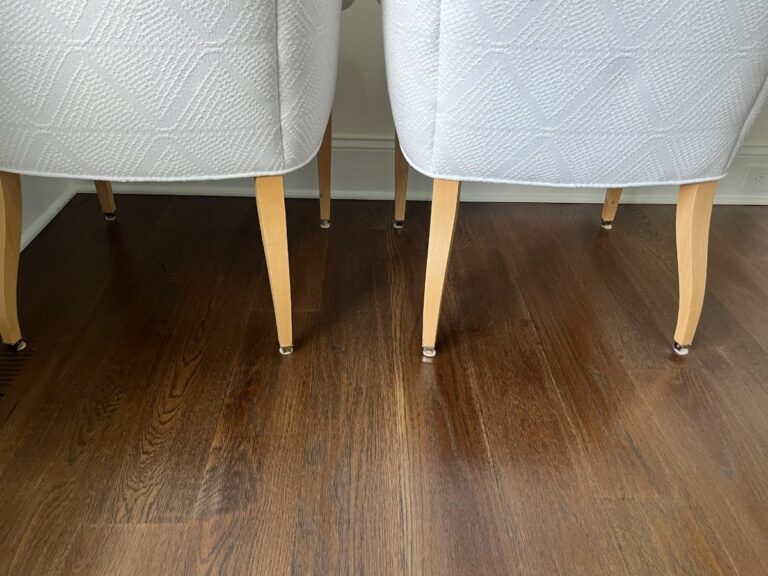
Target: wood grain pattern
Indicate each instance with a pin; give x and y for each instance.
(694, 212)
(611, 205)
(127, 550)
(324, 162)
(152, 429)
(401, 183)
(270, 201)
(10, 242)
(445, 205)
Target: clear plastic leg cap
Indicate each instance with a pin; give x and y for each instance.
(680, 350)
(18, 346)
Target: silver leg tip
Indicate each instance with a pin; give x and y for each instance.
(286, 350)
(17, 346)
(399, 224)
(428, 352)
(607, 224)
(110, 216)
(325, 224)
(680, 350)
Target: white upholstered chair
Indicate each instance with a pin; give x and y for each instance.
(593, 93)
(155, 90)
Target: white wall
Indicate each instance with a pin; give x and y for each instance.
(758, 136)
(362, 103)
(363, 143)
(42, 199)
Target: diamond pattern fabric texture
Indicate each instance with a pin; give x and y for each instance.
(165, 89)
(587, 93)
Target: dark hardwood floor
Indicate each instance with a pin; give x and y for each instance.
(151, 427)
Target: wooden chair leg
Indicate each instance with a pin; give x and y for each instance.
(10, 244)
(106, 199)
(401, 184)
(611, 204)
(694, 212)
(324, 174)
(270, 203)
(445, 204)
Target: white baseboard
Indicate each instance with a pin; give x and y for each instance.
(363, 170)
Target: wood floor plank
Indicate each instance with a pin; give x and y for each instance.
(348, 512)
(127, 372)
(127, 550)
(732, 350)
(452, 504)
(532, 445)
(329, 507)
(153, 428)
(161, 471)
(619, 447)
(664, 537)
(62, 434)
(717, 460)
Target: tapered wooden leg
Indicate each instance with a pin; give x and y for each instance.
(694, 212)
(106, 199)
(324, 174)
(611, 204)
(445, 204)
(10, 244)
(401, 184)
(270, 202)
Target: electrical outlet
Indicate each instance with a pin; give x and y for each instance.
(756, 179)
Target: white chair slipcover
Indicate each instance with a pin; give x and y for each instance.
(586, 93)
(607, 93)
(165, 89)
(134, 90)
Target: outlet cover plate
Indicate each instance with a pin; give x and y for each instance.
(756, 179)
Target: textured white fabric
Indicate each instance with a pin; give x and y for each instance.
(164, 89)
(581, 93)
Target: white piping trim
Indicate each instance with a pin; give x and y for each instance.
(430, 174)
(200, 178)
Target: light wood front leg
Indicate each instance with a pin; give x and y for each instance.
(270, 203)
(106, 199)
(10, 244)
(401, 184)
(445, 204)
(694, 212)
(611, 204)
(324, 174)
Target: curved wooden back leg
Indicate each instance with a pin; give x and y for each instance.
(270, 203)
(611, 204)
(324, 159)
(445, 204)
(10, 245)
(694, 212)
(401, 184)
(106, 199)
